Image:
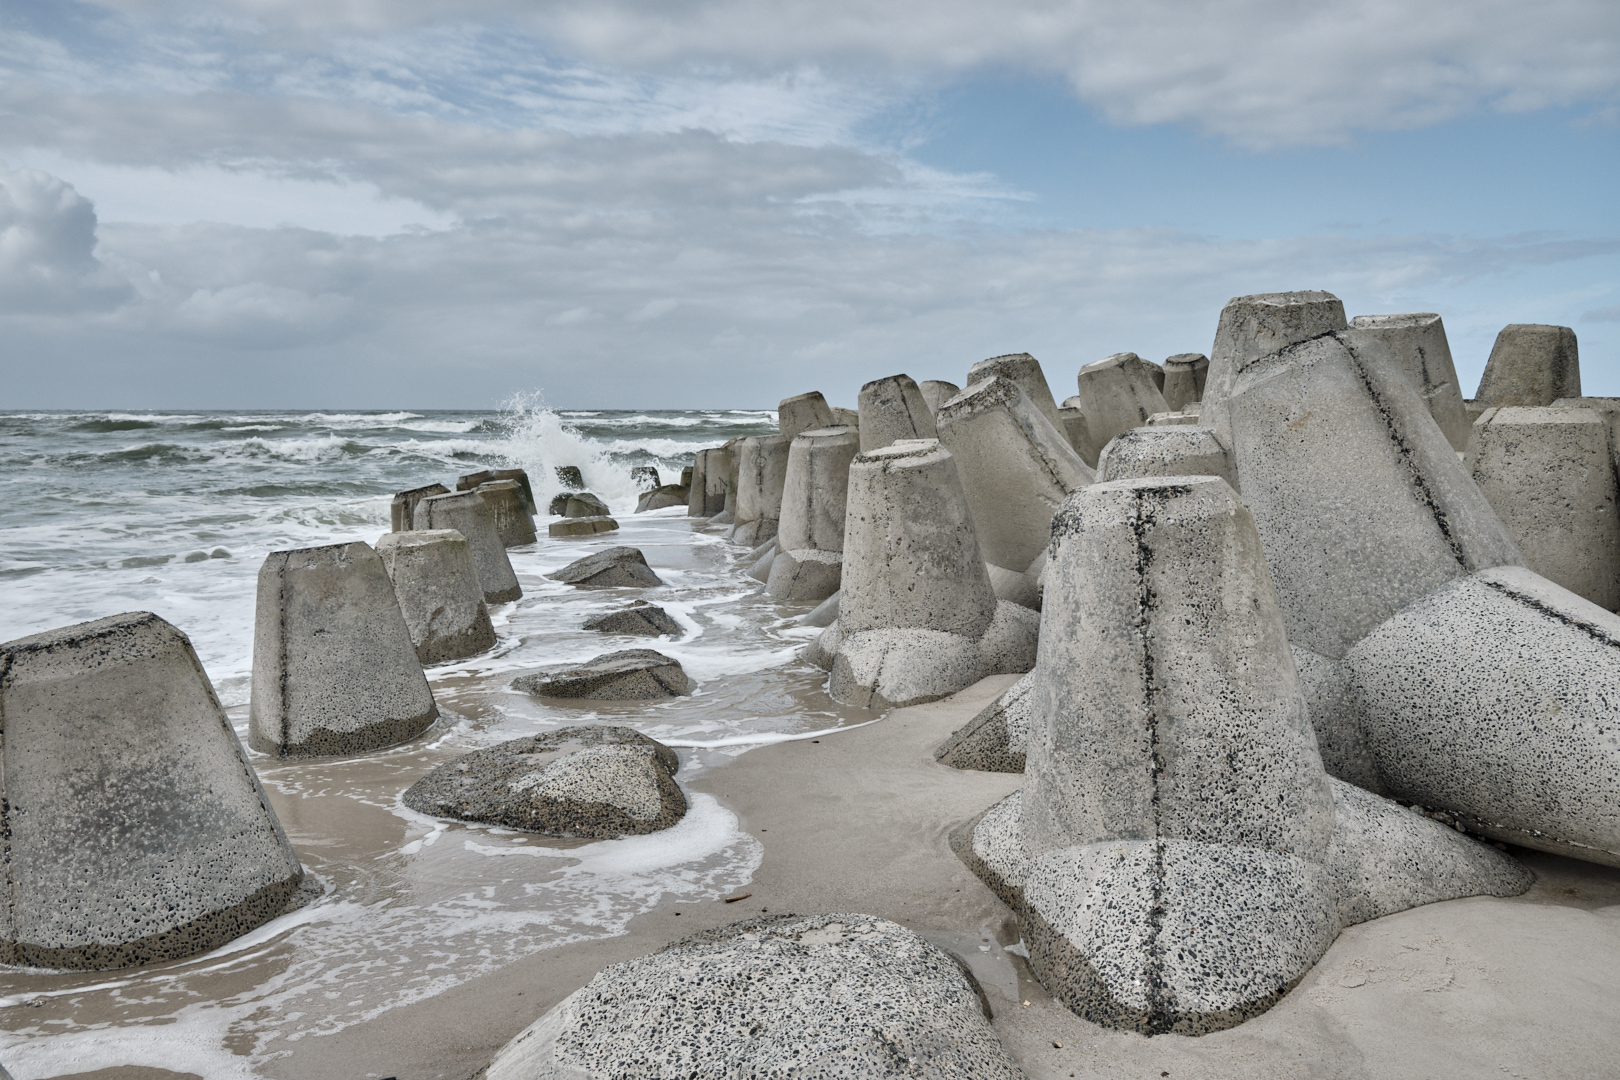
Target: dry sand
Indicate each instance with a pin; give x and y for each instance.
(857, 821)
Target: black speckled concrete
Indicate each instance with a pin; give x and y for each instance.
(514, 524)
(133, 830)
(613, 568)
(993, 741)
(628, 675)
(468, 513)
(843, 996)
(640, 619)
(596, 782)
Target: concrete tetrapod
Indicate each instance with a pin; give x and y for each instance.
(810, 542)
(1078, 430)
(802, 413)
(1118, 393)
(1177, 858)
(1493, 698)
(514, 524)
(761, 474)
(1531, 364)
(468, 513)
(1184, 375)
(1024, 370)
(893, 408)
(471, 482)
(437, 587)
(334, 668)
(402, 512)
(1168, 450)
(1016, 468)
(711, 470)
(1549, 474)
(917, 618)
(937, 392)
(135, 831)
(1363, 506)
(1417, 345)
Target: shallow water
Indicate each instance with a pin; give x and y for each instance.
(173, 513)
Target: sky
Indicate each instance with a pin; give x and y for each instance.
(721, 203)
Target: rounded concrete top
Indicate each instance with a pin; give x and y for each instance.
(909, 451)
(499, 485)
(1394, 322)
(1285, 299)
(1119, 359)
(1184, 359)
(835, 431)
(327, 549)
(421, 538)
(1543, 414)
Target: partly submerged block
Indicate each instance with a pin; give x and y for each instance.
(810, 540)
(402, 512)
(334, 667)
(468, 513)
(761, 462)
(711, 472)
(514, 524)
(437, 587)
(134, 829)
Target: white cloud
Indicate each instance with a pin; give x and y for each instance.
(48, 247)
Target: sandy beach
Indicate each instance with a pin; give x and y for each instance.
(858, 821)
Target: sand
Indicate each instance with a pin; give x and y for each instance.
(857, 821)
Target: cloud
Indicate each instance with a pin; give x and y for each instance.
(48, 247)
(1611, 313)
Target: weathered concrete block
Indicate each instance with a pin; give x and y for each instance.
(637, 619)
(1531, 364)
(627, 675)
(436, 584)
(893, 408)
(1024, 370)
(994, 740)
(402, 512)
(850, 418)
(468, 513)
(1015, 469)
(917, 617)
(1493, 698)
(582, 526)
(570, 477)
(728, 516)
(134, 830)
(334, 667)
(471, 482)
(599, 782)
(802, 413)
(937, 392)
(810, 540)
(761, 475)
(513, 522)
(1252, 327)
(645, 477)
(662, 497)
(1119, 393)
(1341, 736)
(1171, 419)
(711, 471)
(821, 996)
(613, 568)
(1363, 505)
(578, 504)
(1549, 474)
(1078, 431)
(1416, 344)
(1172, 450)
(1176, 855)
(1184, 377)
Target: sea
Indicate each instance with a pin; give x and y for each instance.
(174, 513)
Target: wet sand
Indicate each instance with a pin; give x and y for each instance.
(858, 820)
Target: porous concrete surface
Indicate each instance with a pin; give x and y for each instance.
(627, 675)
(1362, 504)
(614, 567)
(514, 524)
(893, 408)
(1119, 392)
(402, 511)
(816, 997)
(1025, 370)
(1184, 376)
(582, 526)
(1416, 343)
(1549, 475)
(577, 504)
(134, 829)
(1167, 451)
(1253, 327)
(661, 497)
(810, 537)
(468, 513)
(857, 820)
(471, 482)
(1015, 466)
(850, 418)
(1531, 364)
(803, 412)
(598, 782)
(711, 472)
(1493, 698)
(334, 668)
(823, 614)
(436, 584)
(1606, 407)
(993, 741)
(1341, 737)
(1172, 419)
(761, 462)
(639, 619)
(937, 392)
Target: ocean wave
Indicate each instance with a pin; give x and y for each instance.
(315, 448)
(112, 425)
(391, 419)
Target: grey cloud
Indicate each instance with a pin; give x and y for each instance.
(1611, 313)
(48, 247)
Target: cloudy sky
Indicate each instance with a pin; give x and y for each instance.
(688, 203)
